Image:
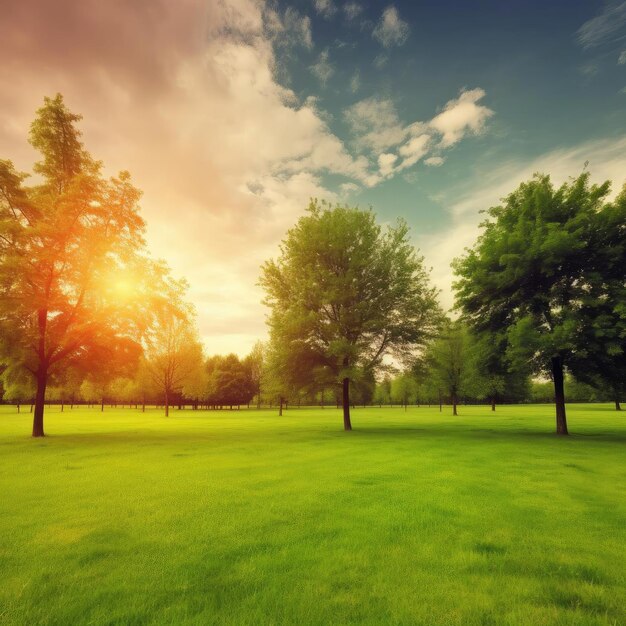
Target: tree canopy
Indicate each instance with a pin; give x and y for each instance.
(545, 266)
(62, 241)
(344, 293)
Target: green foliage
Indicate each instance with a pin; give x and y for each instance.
(450, 362)
(546, 270)
(404, 388)
(343, 294)
(230, 381)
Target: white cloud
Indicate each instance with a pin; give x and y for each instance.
(376, 127)
(434, 161)
(414, 149)
(347, 189)
(290, 29)
(607, 160)
(461, 116)
(386, 162)
(323, 69)
(621, 60)
(352, 10)
(375, 124)
(325, 8)
(607, 27)
(391, 29)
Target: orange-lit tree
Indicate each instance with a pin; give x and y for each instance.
(173, 352)
(62, 242)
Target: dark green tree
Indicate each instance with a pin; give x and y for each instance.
(534, 271)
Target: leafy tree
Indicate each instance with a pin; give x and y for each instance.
(344, 293)
(601, 361)
(450, 362)
(496, 378)
(364, 386)
(173, 353)
(404, 388)
(382, 392)
(59, 240)
(229, 381)
(256, 364)
(534, 272)
(196, 385)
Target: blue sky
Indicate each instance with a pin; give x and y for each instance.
(232, 114)
(546, 85)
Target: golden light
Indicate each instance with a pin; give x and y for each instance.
(121, 286)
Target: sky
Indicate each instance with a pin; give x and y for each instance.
(232, 114)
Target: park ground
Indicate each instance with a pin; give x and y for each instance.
(244, 517)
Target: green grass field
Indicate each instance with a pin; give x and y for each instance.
(246, 518)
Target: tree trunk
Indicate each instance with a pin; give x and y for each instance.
(347, 425)
(40, 398)
(493, 403)
(455, 401)
(280, 409)
(102, 406)
(617, 405)
(167, 405)
(559, 395)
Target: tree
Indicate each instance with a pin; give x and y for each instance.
(230, 381)
(450, 362)
(403, 388)
(59, 241)
(533, 273)
(256, 364)
(364, 386)
(343, 294)
(382, 392)
(173, 351)
(601, 362)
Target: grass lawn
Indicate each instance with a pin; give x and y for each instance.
(246, 518)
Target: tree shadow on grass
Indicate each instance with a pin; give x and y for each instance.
(286, 436)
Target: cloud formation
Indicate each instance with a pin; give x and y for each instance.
(607, 27)
(377, 129)
(391, 29)
(326, 8)
(323, 69)
(186, 96)
(352, 10)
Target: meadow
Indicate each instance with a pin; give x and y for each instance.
(244, 517)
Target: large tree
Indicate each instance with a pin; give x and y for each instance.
(345, 293)
(60, 240)
(535, 271)
(601, 361)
